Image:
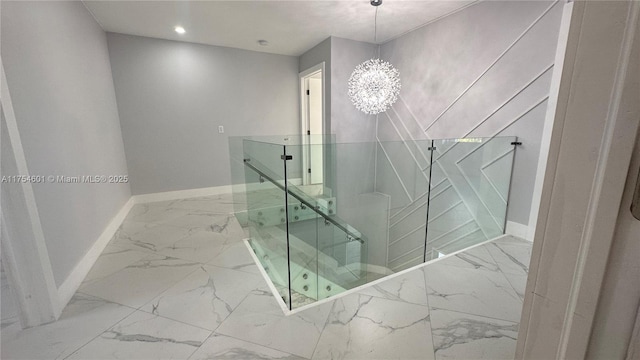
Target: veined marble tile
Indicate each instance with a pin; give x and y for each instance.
(202, 220)
(236, 257)
(144, 336)
(206, 297)
(475, 258)
(409, 287)
(112, 259)
(147, 237)
(486, 293)
(511, 257)
(259, 319)
(84, 318)
(220, 347)
(138, 283)
(365, 327)
(463, 336)
(154, 213)
(199, 246)
(518, 283)
(220, 204)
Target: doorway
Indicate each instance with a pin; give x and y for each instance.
(312, 116)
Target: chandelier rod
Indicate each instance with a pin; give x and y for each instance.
(375, 27)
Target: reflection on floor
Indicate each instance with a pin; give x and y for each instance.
(177, 282)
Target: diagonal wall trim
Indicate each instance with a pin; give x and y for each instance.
(530, 109)
(407, 234)
(394, 169)
(460, 237)
(417, 258)
(496, 159)
(447, 210)
(480, 197)
(421, 205)
(509, 100)
(405, 143)
(419, 197)
(492, 64)
(493, 185)
(452, 230)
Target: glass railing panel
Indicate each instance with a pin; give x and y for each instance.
(403, 174)
(342, 259)
(266, 204)
(469, 192)
(237, 167)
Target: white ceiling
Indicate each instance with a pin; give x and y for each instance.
(291, 27)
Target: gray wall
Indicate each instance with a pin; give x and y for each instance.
(57, 66)
(452, 88)
(172, 96)
(313, 57)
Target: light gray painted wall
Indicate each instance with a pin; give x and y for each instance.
(57, 65)
(172, 96)
(348, 123)
(356, 151)
(481, 72)
(313, 57)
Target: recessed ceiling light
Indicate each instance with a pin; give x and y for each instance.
(263, 42)
(180, 30)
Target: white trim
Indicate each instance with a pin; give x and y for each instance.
(71, 284)
(552, 106)
(599, 229)
(519, 230)
(182, 194)
(304, 113)
(40, 289)
(592, 151)
(288, 312)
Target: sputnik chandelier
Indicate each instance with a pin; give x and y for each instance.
(374, 85)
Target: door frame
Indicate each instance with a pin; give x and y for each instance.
(588, 142)
(304, 114)
(23, 247)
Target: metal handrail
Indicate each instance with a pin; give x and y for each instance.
(304, 201)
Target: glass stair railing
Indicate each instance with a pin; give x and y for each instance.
(381, 207)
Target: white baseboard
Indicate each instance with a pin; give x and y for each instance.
(519, 230)
(182, 194)
(73, 281)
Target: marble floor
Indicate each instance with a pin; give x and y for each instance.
(177, 282)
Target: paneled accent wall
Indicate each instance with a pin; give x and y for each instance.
(482, 72)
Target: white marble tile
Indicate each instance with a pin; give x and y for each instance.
(486, 293)
(365, 327)
(259, 319)
(463, 336)
(84, 318)
(221, 347)
(220, 204)
(147, 237)
(199, 246)
(518, 283)
(236, 257)
(112, 259)
(409, 287)
(154, 213)
(202, 220)
(511, 257)
(475, 258)
(206, 297)
(138, 283)
(144, 336)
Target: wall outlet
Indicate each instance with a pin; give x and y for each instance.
(220, 129)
